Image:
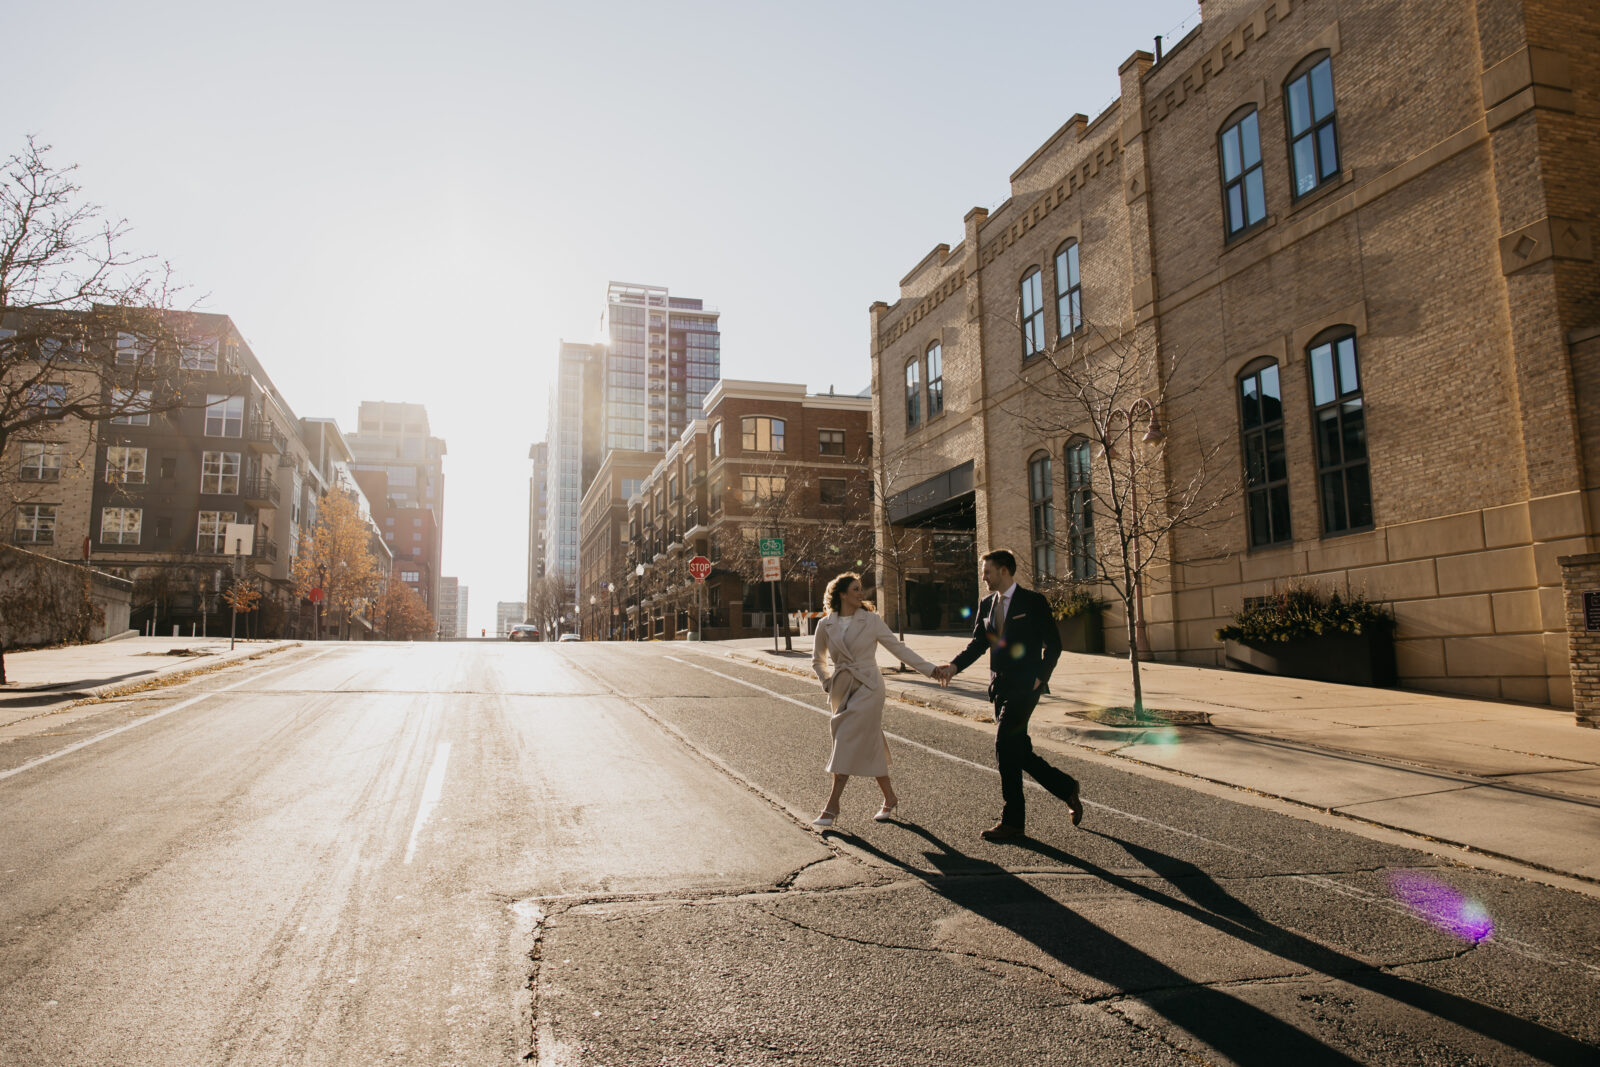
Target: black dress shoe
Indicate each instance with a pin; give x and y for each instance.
(1075, 804)
(1002, 832)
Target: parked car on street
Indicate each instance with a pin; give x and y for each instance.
(569, 637)
(523, 631)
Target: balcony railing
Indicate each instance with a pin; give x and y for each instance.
(262, 436)
(260, 490)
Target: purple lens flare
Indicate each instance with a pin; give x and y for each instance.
(1442, 905)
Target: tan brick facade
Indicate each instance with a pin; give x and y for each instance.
(1452, 242)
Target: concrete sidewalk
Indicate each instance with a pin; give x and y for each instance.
(44, 687)
(1507, 780)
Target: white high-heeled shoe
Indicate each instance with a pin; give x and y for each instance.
(825, 820)
(886, 812)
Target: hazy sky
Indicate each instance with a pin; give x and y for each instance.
(404, 201)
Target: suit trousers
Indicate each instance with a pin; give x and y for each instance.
(1013, 752)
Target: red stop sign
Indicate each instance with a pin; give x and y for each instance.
(700, 567)
(316, 595)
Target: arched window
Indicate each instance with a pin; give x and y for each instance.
(1308, 109)
(1266, 465)
(1069, 290)
(1244, 194)
(1042, 507)
(762, 434)
(935, 379)
(1032, 304)
(716, 439)
(1080, 511)
(913, 394)
(1341, 432)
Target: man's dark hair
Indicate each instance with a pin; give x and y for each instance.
(1002, 557)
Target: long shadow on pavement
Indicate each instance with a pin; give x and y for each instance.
(1243, 1032)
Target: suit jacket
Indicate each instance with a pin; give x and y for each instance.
(1027, 649)
(853, 650)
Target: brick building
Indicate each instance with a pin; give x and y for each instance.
(767, 460)
(1359, 237)
(604, 562)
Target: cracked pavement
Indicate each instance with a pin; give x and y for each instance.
(599, 855)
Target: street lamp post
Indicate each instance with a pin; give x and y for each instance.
(638, 609)
(594, 627)
(1153, 434)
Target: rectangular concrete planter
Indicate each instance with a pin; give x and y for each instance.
(1082, 633)
(1353, 659)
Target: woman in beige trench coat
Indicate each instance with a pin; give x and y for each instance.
(848, 638)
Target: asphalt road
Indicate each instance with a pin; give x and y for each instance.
(597, 854)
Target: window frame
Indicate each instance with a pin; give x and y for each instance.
(1313, 133)
(214, 465)
(219, 534)
(1072, 295)
(224, 401)
(1032, 322)
(750, 433)
(42, 521)
(913, 382)
(933, 355)
(755, 489)
(823, 441)
(1080, 509)
(1331, 339)
(1235, 122)
(1042, 515)
(841, 487)
(122, 531)
(42, 468)
(129, 400)
(1268, 494)
(126, 470)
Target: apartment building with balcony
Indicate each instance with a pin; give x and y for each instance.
(767, 460)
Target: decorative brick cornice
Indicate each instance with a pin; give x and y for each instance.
(1249, 30)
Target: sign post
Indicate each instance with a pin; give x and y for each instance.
(239, 540)
(772, 572)
(700, 570)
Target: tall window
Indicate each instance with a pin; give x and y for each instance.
(1069, 290)
(1042, 507)
(36, 524)
(1032, 313)
(47, 396)
(913, 394)
(762, 434)
(761, 488)
(224, 416)
(125, 465)
(935, 379)
(1266, 466)
(1313, 142)
(716, 440)
(133, 405)
(120, 526)
(1244, 194)
(213, 530)
(832, 491)
(41, 462)
(133, 350)
(830, 442)
(219, 473)
(1341, 431)
(1080, 511)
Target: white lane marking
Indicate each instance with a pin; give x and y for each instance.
(152, 718)
(430, 795)
(1520, 948)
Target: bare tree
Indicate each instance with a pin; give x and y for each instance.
(1155, 473)
(88, 329)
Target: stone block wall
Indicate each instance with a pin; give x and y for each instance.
(1580, 575)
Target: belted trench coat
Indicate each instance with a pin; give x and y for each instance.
(846, 661)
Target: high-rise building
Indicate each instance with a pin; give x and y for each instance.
(463, 621)
(574, 451)
(662, 357)
(449, 606)
(400, 467)
(538, 508)
(506, 614)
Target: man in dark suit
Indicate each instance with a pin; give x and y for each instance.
(1015, 626)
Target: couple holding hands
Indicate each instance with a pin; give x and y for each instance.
(1014, 625)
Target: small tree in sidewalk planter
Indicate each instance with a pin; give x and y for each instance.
(1304, 633)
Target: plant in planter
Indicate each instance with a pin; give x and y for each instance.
(1303, 633)
(1077, 611)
